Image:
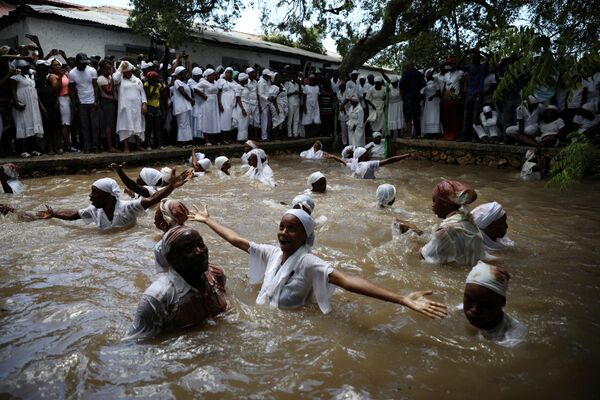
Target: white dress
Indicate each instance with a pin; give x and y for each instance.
(457, 239)
(29, 121)
(431, 123)
(211, 121)
(281, 98)
(248, 98)
(509, 333)
(131, 95)
(312, 114)
(196, 110)
(182, 109)
(356, 127)
(228, 102)
(377, 97)
(365, 169)
(395, 113)
(125, 214)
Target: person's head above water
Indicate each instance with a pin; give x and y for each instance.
(256, 158)
(186, 253)
(490, 218)
(304, 202)
(105, 193)
(377, 137)
(348, 152)
(295, 230)
(249, 145)
(317, 182)
(361, 154)
(449, 196)
(485, 295)
(317, 145)
(149, 177)
(170, 213)
(386, 195)
(222, 164)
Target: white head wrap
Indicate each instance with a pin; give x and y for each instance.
(108, 185)
(243, 77)
(21, 63)
(354, 98)
(220, 161)
(483, 216)
(355, 72)
(529, 154)
(489, 276)
(228, 69)
(358, 152)
(249, 70)
(144, 65)
(150, 176)
(208, 72)
(378, 79)
(196, 71)
(166, 173)
(267, 72)
(11, 171)
(42, 62)
(591, 107)
(385, 194)
(204, 163)
(251, 144)
(304, 201)
(314, 177)
(307, 222)
(532, 99)
(346, 151)
(377, 134)
(487, 109)
(125, 66)
(178, 70)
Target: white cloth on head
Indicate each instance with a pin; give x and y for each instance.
(150, 176)
(314, 177)
(252, 144)
(108, 185)
(488, 276)
(305, 201)
(385, 194)
(199, 156)
(207, 72)
(205, 164)
(196, 71)
(243, 77)
(166, 173)
(346, 151)
(484, 215)
(125, 66)
(456, 239)
(262, 172)
(220, 161)
(377, 134)
(178, 70)
(307, 222)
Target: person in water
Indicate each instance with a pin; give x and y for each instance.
(9, 179)
(169, 214)
(189, 293)
(317, 182)
(483, 302)
(457, 239)
(361, 166)
(304, 202)
(148, 182)
(386, 195)
(291, 276)
(314, 153)
(259, 168)
(108, 211)
(223, 165)
(491, 218)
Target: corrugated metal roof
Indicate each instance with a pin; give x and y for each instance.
(99, 16)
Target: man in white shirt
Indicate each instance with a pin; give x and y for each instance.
(292, 88)
(264, 85)
(84, 92)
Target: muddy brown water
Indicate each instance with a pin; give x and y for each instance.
(68, 293)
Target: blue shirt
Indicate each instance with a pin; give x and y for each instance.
(476, 76)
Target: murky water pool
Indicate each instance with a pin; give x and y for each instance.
(68, 294)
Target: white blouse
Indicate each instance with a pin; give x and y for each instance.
(126, 213)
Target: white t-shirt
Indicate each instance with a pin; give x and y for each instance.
(366, 169)
(126, 213)
(291, 87)
(584, 123)
(509, 333)
(83, 82)
(551, 128)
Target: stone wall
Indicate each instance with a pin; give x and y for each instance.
(463, 153)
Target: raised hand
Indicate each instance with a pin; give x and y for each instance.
(116, 166)
(179, 180)
(416, 301)
(199, 215)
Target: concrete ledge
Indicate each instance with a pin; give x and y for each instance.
(83, 163)
(466, 153)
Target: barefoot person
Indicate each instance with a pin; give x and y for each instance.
(189, 293)
(290, 276)
(108, 211)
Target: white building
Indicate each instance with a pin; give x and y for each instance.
(103, 31)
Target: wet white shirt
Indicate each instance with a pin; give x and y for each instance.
(365, 169)
(509, 333)
(126, 213)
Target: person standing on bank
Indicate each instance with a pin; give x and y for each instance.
(85, 96)
(132, 106)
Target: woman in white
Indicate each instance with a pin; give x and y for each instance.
(356, 124)
(314, 153)
(26, 110)
(259, 168)
(131, 106)
(249, 145)
(183, 102)
(291, 276)
(223, 165)
(277, 106)
(376, 99)
(343, 96)
(395, 114)
(483, 302)
(310, 99)
(226, 99)
(211, 120)
(196, 109)
(386, 195)
(490, 218)
(361, 166)
(431, 125)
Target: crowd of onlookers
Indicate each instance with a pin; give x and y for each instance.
(56, 103)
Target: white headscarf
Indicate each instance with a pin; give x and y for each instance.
(385, 194)
(204, 163)
(178, 70)
(249, 70)
(251, 144)
(315, 176)
(483, 216)
(358, 152)
(377, 134)
(207, 72)
(346, 151)
(150, 176)
(305, 201)
(196, 71)
(125, 66)
(108, 185)
(220, 161)
(489, 276)
(243, 77)
(166, 173)
(307, 222)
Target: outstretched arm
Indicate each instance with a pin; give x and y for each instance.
(394, 159)
(329, 156)
(415, 301)
(228, 234)
(176, 181)
(68, 215)
(128, 182)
